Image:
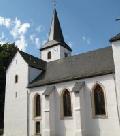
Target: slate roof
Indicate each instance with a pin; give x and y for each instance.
(90, 64)
(115, 38)
(33, 61)
(55, 43)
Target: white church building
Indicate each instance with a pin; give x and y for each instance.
(63, 95)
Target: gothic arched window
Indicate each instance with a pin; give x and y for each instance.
(49, 55)
(67, 110)
(99, 100)
(37, 105)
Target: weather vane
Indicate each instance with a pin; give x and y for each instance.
(54, 3)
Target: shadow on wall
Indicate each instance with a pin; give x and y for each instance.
(60, 126)
(91, 124)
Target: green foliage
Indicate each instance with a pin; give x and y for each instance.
(1, 132)
(7, 52)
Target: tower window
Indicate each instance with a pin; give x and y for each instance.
(99, 101)
(49, 55)
(16, 78)
(37, 128)
(67, 111)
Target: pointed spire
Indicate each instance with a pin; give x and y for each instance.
(55, 35)
(55, 30)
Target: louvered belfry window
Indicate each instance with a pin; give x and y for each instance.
(49, 55)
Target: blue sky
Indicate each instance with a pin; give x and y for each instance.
(86, 24)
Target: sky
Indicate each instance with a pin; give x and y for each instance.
(86, 24)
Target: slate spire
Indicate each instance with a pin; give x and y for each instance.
(55, 35)
(55, 30)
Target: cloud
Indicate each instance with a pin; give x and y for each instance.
(5, 22)
(32, 37)
(43, 42)
(23, 28)
(18, 32)
(19, 28)
(2, 42)
(86, 40)
(21, 43)
(40, 28)
(2, 38)
(35, 40)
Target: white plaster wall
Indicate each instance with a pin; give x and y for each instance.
(116, 57)
(52, 113)
(102, 126)
(91, 126)
(55, 53)
(44, 107)
(63, 51)
(31, 109)
(33, 73)
(16, 107)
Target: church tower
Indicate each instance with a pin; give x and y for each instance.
(55, 48)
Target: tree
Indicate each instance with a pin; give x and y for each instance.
(7, 52)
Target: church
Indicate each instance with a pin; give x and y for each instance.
(63, 95)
